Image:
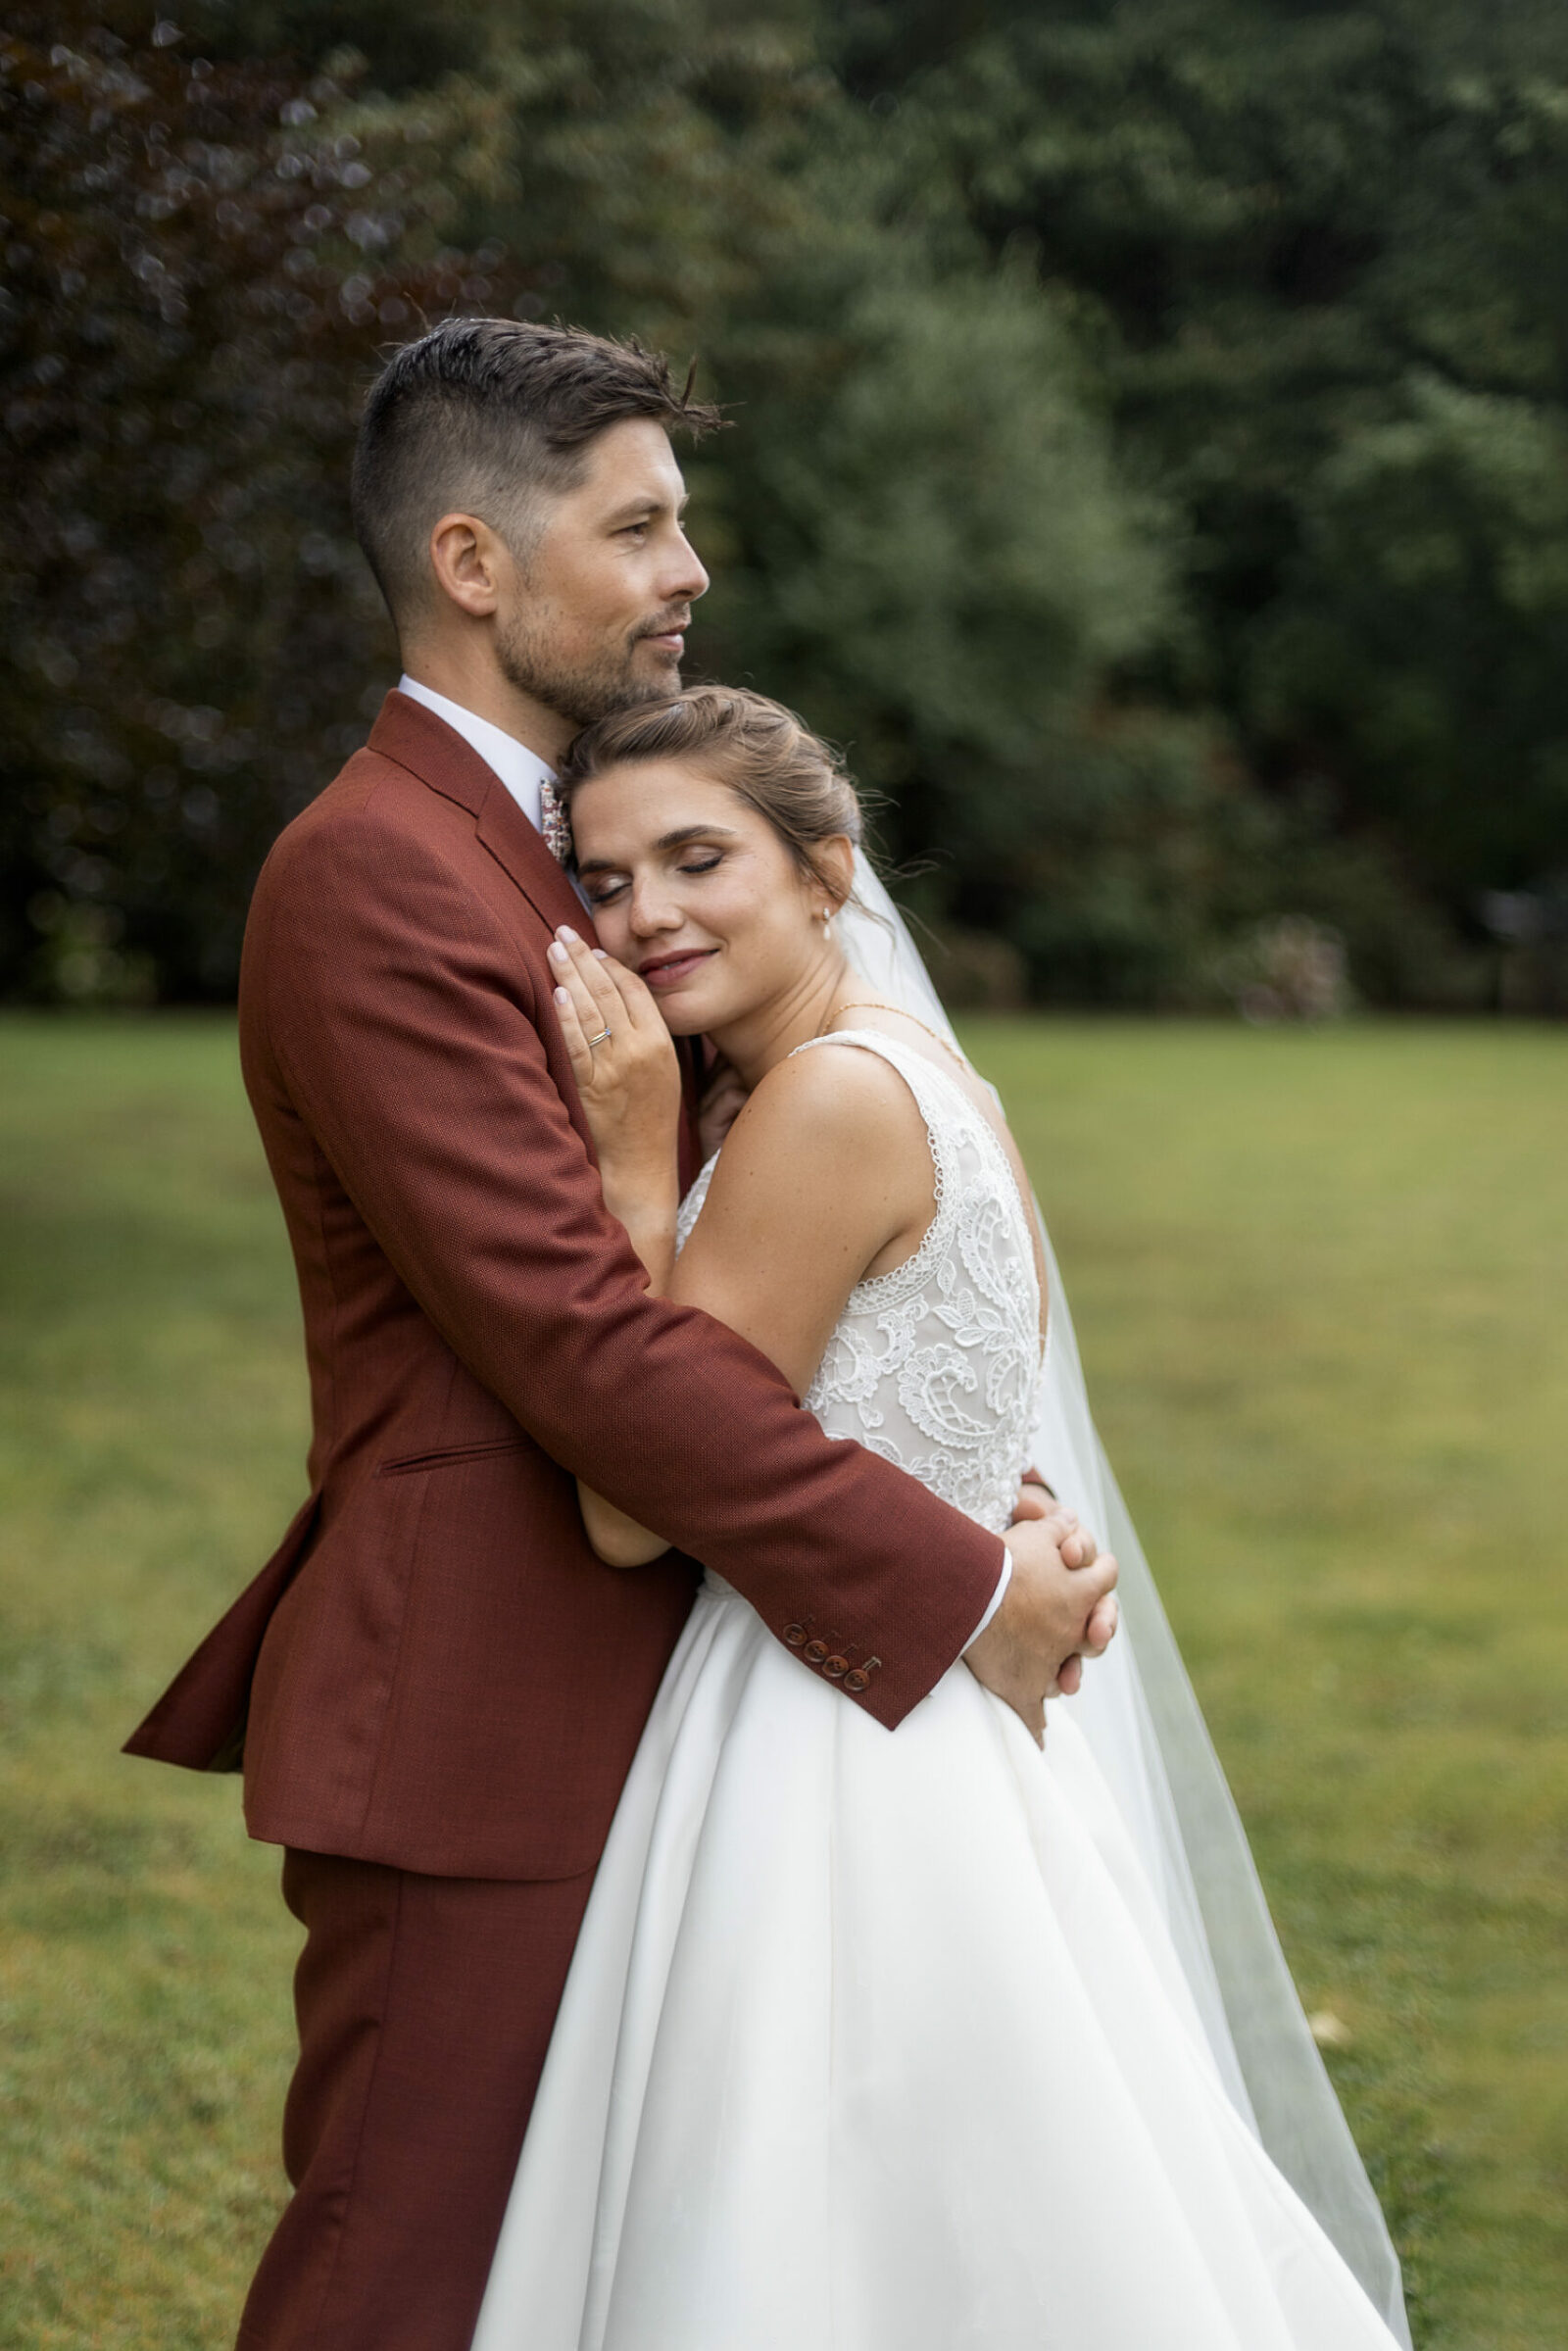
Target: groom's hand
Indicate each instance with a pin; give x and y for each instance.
(1058, 1608)
(724, 1097)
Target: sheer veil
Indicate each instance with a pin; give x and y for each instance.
(1137, 1709)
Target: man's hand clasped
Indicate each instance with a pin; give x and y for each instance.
(1058, 1608)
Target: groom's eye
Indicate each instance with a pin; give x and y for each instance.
(704, 864)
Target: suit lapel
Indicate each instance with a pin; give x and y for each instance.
(518, 848)
(417, 739)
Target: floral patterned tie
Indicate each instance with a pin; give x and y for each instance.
(554, 823)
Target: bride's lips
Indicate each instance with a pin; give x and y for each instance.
(668, 971)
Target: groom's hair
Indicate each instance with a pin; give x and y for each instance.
(493, 417)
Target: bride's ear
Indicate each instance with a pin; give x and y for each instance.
(834, 861)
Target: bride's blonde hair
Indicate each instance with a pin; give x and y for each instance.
(767, 756)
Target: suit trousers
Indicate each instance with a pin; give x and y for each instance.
(425, 2007)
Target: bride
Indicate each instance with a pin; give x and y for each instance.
(872, 2039)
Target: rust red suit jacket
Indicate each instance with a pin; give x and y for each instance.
(434, 1670)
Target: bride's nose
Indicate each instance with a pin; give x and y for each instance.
(653, 909)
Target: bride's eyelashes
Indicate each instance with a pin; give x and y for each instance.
(603, 892)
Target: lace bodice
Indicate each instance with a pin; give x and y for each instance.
(934, 1365)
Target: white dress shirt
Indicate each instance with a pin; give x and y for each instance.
(521, 769)
(522, 772)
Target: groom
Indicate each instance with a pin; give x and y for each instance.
(435, 1686)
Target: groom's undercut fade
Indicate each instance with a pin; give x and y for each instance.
(493, 418)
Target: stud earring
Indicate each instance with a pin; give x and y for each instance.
(827, 920)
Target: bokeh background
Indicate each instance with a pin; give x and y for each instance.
(1150, 458)
(1149, 449)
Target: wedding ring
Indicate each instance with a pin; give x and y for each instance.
(600, 1039)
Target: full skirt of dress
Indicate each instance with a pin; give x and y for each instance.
(876, 2041)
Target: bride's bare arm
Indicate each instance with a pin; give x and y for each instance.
(826, 1177)
(826, 1173)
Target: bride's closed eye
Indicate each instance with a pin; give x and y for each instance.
(604, 891)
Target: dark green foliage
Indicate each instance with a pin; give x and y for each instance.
(1329, 249)
(927, 550)
(1149, 449)
(203, 258)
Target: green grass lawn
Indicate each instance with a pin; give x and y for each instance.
(1319, 1285)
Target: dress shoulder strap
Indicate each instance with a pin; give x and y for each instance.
(952, 1122)
(934, 1091)
(943, 1105)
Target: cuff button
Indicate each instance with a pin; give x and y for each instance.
(856, 1681)
(836, 1666)
(795, 1635)
(815, 1651)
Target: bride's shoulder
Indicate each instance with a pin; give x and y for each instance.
(831, 1110)
(840, 1087)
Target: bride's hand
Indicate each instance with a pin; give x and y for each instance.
(629, 1079)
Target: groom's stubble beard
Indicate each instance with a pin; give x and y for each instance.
(587, 691)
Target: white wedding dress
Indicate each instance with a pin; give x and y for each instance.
(878, 2041)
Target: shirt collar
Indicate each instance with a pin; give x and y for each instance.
(521, 769)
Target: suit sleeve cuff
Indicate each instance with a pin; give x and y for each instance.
(997, 1597)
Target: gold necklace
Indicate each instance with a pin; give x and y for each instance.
(871, 1005)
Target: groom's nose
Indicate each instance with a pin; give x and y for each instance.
(686, 578)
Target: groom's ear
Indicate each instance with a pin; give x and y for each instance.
(470, 562)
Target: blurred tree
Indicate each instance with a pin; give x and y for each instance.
(920, 534)
(406, 45)
(1136, 402)
(202, 258)
(917, 531)
(1415, 646)
(1329, 251)
(928, 550)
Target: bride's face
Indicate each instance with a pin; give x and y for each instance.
(695, 891)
